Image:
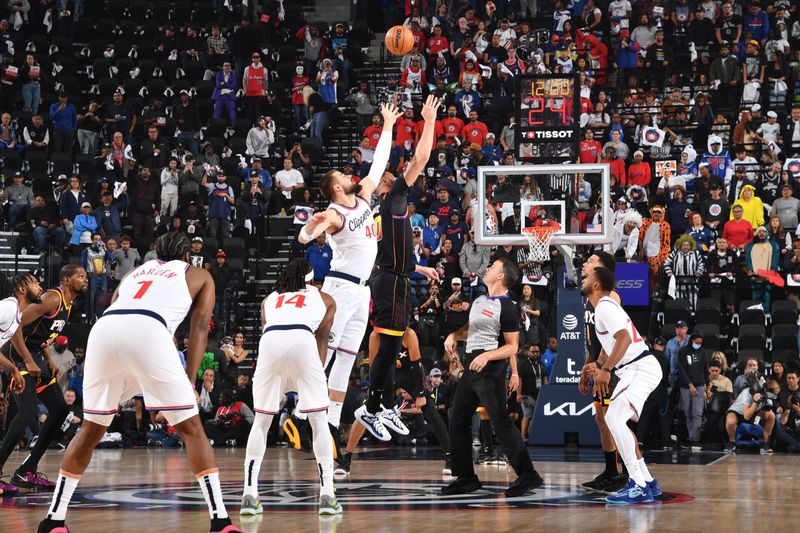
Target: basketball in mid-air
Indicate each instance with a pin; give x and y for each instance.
(399, 40)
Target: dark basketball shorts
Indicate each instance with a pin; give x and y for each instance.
(390, 307)
(605, 401)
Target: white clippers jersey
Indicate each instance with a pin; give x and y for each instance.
(609, 318)
(158, 287)
(9, 319)
(303, 307)
(355, 244)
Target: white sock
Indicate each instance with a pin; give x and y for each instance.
(323, 451)
(65, 486)
(648, 477)
(635, 473)
(252, 467)
(209, 484)
(256, 448)
(335, 413)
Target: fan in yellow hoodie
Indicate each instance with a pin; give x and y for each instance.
(752, 205)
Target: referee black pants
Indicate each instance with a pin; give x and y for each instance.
(486, 388)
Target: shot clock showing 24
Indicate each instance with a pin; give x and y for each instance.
(548, 111)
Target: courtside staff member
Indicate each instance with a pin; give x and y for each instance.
(492, 317)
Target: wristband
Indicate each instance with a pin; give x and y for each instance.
(305, 234)
(514, 375)
(604, 368)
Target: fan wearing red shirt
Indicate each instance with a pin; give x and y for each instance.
(452, 125)
(437, 43)
(738, 231)
(616, 165)
(590, 149)
(476, 131)
(373, 131)
(406, 128)
(438, 129)
(639, 171)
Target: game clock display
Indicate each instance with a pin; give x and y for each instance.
(548, 117)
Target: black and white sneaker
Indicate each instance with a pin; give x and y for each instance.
(373, 423)
(392, 420)
(343, 465)
(448, 466)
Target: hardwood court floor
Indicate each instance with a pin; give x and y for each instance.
(394, 490)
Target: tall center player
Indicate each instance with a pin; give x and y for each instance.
(390, 282)
(353, 236)
(130, 351)
(639, 373)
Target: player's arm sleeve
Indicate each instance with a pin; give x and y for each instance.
(398, 197)
(381, 157)
(509, 316)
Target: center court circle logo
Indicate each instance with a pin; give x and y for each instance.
(570, 322)
(292, 495)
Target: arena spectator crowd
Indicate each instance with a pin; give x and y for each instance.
(122, 121)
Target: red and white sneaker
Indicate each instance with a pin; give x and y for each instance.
(52, 526)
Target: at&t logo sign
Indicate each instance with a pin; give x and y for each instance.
(570, 322)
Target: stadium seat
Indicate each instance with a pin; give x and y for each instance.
(37, 161)
(238, 145)
(234, 247)
(217, 127)
(708, 311)
(752, 312)
(711, 340)
(784, 312)
(751, 337)
(12, 162)
(784, 337)
(744, 354)
(62, 163)
(785, 355)
(676, 310)
(668, 331)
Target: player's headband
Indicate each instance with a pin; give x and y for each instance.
(310, 276)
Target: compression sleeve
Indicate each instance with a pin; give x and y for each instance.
(417, 379)
(380, 158)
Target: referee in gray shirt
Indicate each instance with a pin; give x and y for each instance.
(483, 383)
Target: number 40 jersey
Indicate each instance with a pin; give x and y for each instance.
(304, 307)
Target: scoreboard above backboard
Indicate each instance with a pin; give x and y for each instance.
(548, 117)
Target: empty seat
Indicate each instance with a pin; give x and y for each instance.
(751, 337)
(784, 337)
(784, 312)
(785, 355)
(711, 340)
(37, 160)
(744, 354)
(216, 127)
(668, 331)
(62, 163)
(708, 311)
(752, 312)
(234, 247)
(677, 310)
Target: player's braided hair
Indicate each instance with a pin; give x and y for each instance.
(172, 246)
(293, 276)
(18, 282)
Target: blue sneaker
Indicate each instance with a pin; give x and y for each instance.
(654, 488)
(636, 494)
(626, 488)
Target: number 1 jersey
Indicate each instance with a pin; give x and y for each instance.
(158, 287)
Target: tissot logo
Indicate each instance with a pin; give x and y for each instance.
(570, 322)
(567, 409)
(550, 134)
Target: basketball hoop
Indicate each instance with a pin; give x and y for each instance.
(539, 240)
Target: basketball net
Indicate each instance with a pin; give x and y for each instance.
(539, 240)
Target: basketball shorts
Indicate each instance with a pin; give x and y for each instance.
(128, 354)
(347, 331)
(289, 360)
(390, 307)
(636, 381)
(606, 400)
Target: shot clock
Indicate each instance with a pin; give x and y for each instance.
(548, 114)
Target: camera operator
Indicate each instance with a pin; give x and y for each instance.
(787, 431)
(456, 309)
(751, 406)
(692, 370)
(740, 383)
(430, 314)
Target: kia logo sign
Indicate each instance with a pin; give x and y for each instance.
(570, 322)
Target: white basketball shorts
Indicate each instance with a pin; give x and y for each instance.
(131, 354)
(349, 326)
(289, 360)
(636, 382)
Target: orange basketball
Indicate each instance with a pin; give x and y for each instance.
(399, 40)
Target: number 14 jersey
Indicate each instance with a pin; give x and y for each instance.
(157, 287)
(304, 307)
